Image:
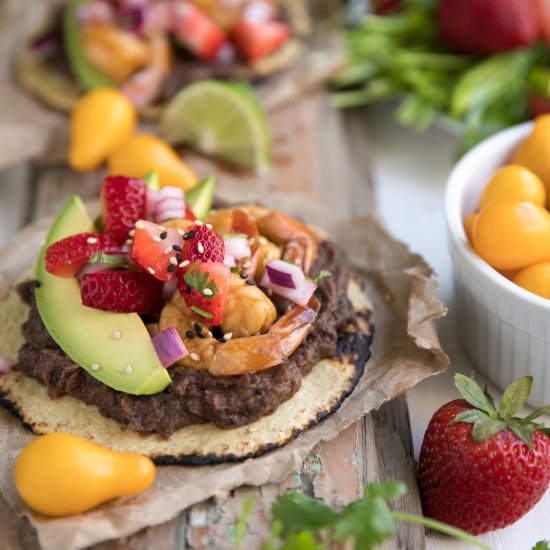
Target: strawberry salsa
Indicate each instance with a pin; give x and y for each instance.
(234, 317)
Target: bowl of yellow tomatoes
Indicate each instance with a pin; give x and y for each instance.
(496, 206)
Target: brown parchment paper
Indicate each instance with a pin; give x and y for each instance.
(406, 351)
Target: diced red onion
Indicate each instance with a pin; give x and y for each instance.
(229, 260)
(99, 11)
(5, 365)
(300, 295)
(259, 11)
(165, 204)
(237, 247)
(169, 346)
(284, 274)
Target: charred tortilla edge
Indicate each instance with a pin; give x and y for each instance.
(353, 351)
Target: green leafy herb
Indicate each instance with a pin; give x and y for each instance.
(323, 274)
(242, 523)
(201, 312)
(102, 258)
(542, 545)
(199, 281)
(305, 523)
(235, 270)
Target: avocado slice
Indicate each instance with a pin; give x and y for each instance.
(152, 180)
(84, 71)
(201, 197)
(115, 348)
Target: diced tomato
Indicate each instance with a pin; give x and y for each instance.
(256, 39)
(153, 249)
(205, 287)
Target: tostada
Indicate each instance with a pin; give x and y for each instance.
(191, 335)
(151, 48)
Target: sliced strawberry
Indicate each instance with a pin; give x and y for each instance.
(123, 203)
(66, 257)
(205, 287)
(201, 243)
(256, 39)
(153, 249)
(122, 291)
(197, 31)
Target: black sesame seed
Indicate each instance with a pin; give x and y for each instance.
(187, 289)
(163, 235)
(197, 327)
(179, 258)
(200, 334)
(189, 235)
(250, 282)
(171, 268)
(190, 334)
(177, 248)
(244, 275)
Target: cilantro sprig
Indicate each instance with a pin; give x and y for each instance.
(304, 523)
(199, 281)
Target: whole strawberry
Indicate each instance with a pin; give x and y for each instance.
(481, 468)
(488, 26)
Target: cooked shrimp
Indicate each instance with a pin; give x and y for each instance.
(238, 355)
(299, 242)
(267, 251)
(143, 87)
(248, 310)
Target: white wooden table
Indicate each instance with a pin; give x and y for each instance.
(410, 172)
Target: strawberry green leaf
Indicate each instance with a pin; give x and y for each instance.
(486, 427)
(369, 522)
(524, 432)
(470, 390)
(515, 396)
(297, 512)
(489, 396)
(389, 490)
(469, 417)
(537, 413)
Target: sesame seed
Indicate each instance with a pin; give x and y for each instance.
(163, 235)
(162, 228)
(298, 261)
(190, 334)
(117, 335)
(207, 292)
(197, 327)
(95, 366)
(200, 335)
(129, 242)
(209, 333)
(173, 261)
(151, 270)
(185, 263)
(128, 369)
(194, 356)
(132, 232)
(198, 223)
(177, 248)
(180, 231)
(178, 257)
(200, 248)
(250, 282)
(244, 275)
(139, 225)
(209, 225)
(187, 289)
(91, 240)
(247, 264)
(167, 250)
(156, 238)
(171, 268)
(228, 336)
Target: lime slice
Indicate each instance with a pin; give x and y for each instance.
(220, 119)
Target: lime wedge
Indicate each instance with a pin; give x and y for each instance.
(220, 119)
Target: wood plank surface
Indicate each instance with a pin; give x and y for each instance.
(327, 162)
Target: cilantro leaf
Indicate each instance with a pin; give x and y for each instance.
(112, 259)
(323, 274)
(199, 281)
(297, 512)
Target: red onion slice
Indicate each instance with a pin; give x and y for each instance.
(165, 204)
(169, 346)
(237, 247)
(284, 274)
(300, 295)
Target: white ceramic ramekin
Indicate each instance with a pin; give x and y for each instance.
(504, 329)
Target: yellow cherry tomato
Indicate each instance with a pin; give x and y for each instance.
(468, 224)
(535, 279)
(514, 182)
(61, 474)
(100, 122)
(141, 153)
(512, 235)
(534, 152)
